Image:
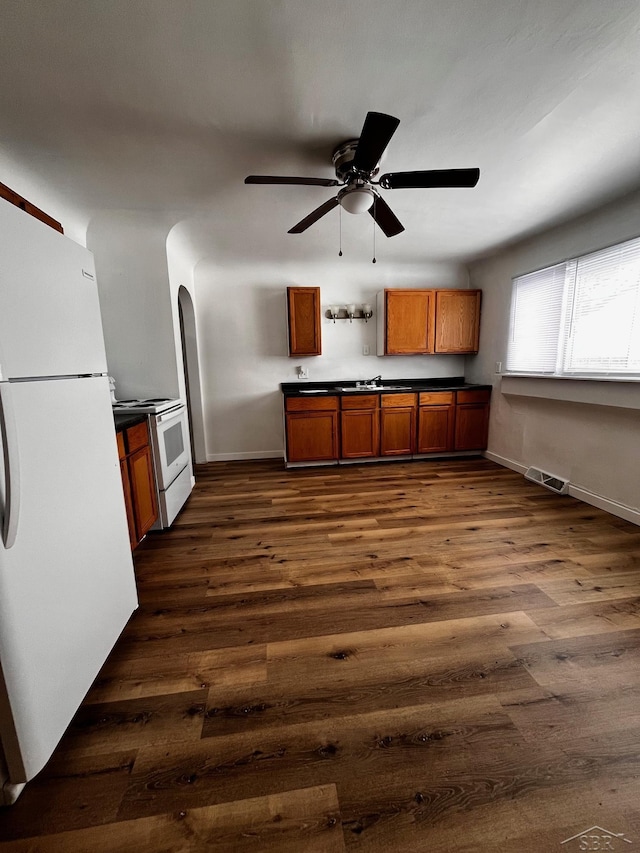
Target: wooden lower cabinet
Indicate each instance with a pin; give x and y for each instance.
(128, 502)
(143, 490)
(398, 424)
(472, 420)
(138, 481)
(436, 420)
(360, 426)
(312, 429)
(326, 429)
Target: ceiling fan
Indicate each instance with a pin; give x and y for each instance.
(357, 163)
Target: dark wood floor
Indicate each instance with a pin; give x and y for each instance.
(435, 656)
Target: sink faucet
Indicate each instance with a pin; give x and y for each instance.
(375, 380)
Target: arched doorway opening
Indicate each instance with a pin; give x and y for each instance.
(191, 364)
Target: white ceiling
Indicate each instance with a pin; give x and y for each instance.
(166, 105)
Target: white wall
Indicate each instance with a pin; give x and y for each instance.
(135, 299)
(180, 264)
(243, 342)
(38, 190)
(596, 444)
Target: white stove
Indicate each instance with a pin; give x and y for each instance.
(169, 432)
(153, 406)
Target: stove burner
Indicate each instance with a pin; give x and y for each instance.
(153, 405)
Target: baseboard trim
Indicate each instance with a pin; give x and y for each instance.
(506, 463)
(239, 457)
(613, 507)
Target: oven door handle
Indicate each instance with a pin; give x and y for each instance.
(168, 416)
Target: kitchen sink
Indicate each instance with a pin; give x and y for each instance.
(347, 388)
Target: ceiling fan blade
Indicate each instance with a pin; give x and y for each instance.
(377, 130)
(430, 178)
(281, 179)
(385, 217)
(314, 216)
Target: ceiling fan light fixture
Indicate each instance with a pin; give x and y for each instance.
(356, 199)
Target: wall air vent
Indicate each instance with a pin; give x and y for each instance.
(549, 481)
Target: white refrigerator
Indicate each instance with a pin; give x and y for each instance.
(67, 585)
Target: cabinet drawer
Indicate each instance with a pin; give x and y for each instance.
(137, 437)
(398, 401)
(364, 401)
(473, 396)
(436, 398)
(311, 404)
(122, 452)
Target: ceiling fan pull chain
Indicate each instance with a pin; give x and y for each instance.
(340, 227)
(374, 230)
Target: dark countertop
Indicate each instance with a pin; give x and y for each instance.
(449, 383)
(124, 420)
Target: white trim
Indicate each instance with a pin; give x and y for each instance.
(622, 394)
(238, 457)
(613, 507)
(506, 463)
(607, 504)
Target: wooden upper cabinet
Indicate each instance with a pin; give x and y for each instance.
(408, 320)
(457, 320)
(414, 322)
(303, 305)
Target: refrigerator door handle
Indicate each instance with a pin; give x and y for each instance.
(9, 436)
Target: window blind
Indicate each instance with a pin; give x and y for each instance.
(580, 317)
(536, 314)
(603, 335)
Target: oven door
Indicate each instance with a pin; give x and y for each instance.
(171, 445)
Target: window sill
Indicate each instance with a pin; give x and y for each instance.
(608, 391)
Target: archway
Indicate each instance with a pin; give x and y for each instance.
(191, 364)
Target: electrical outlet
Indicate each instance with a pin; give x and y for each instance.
(303, 372)
(498, 367)
(366, 350)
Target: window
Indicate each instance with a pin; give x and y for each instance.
(580, 317)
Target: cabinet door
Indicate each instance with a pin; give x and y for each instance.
(435, 428)
(397, 431)
(457, 320)
(360, 433)
(408, 321)
(303, 305)
(472, 426)
(312, 436)
(143, 489)
(128, 502)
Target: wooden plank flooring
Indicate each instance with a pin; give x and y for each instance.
(435, 656)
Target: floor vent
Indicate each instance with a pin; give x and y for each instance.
(549, 481)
